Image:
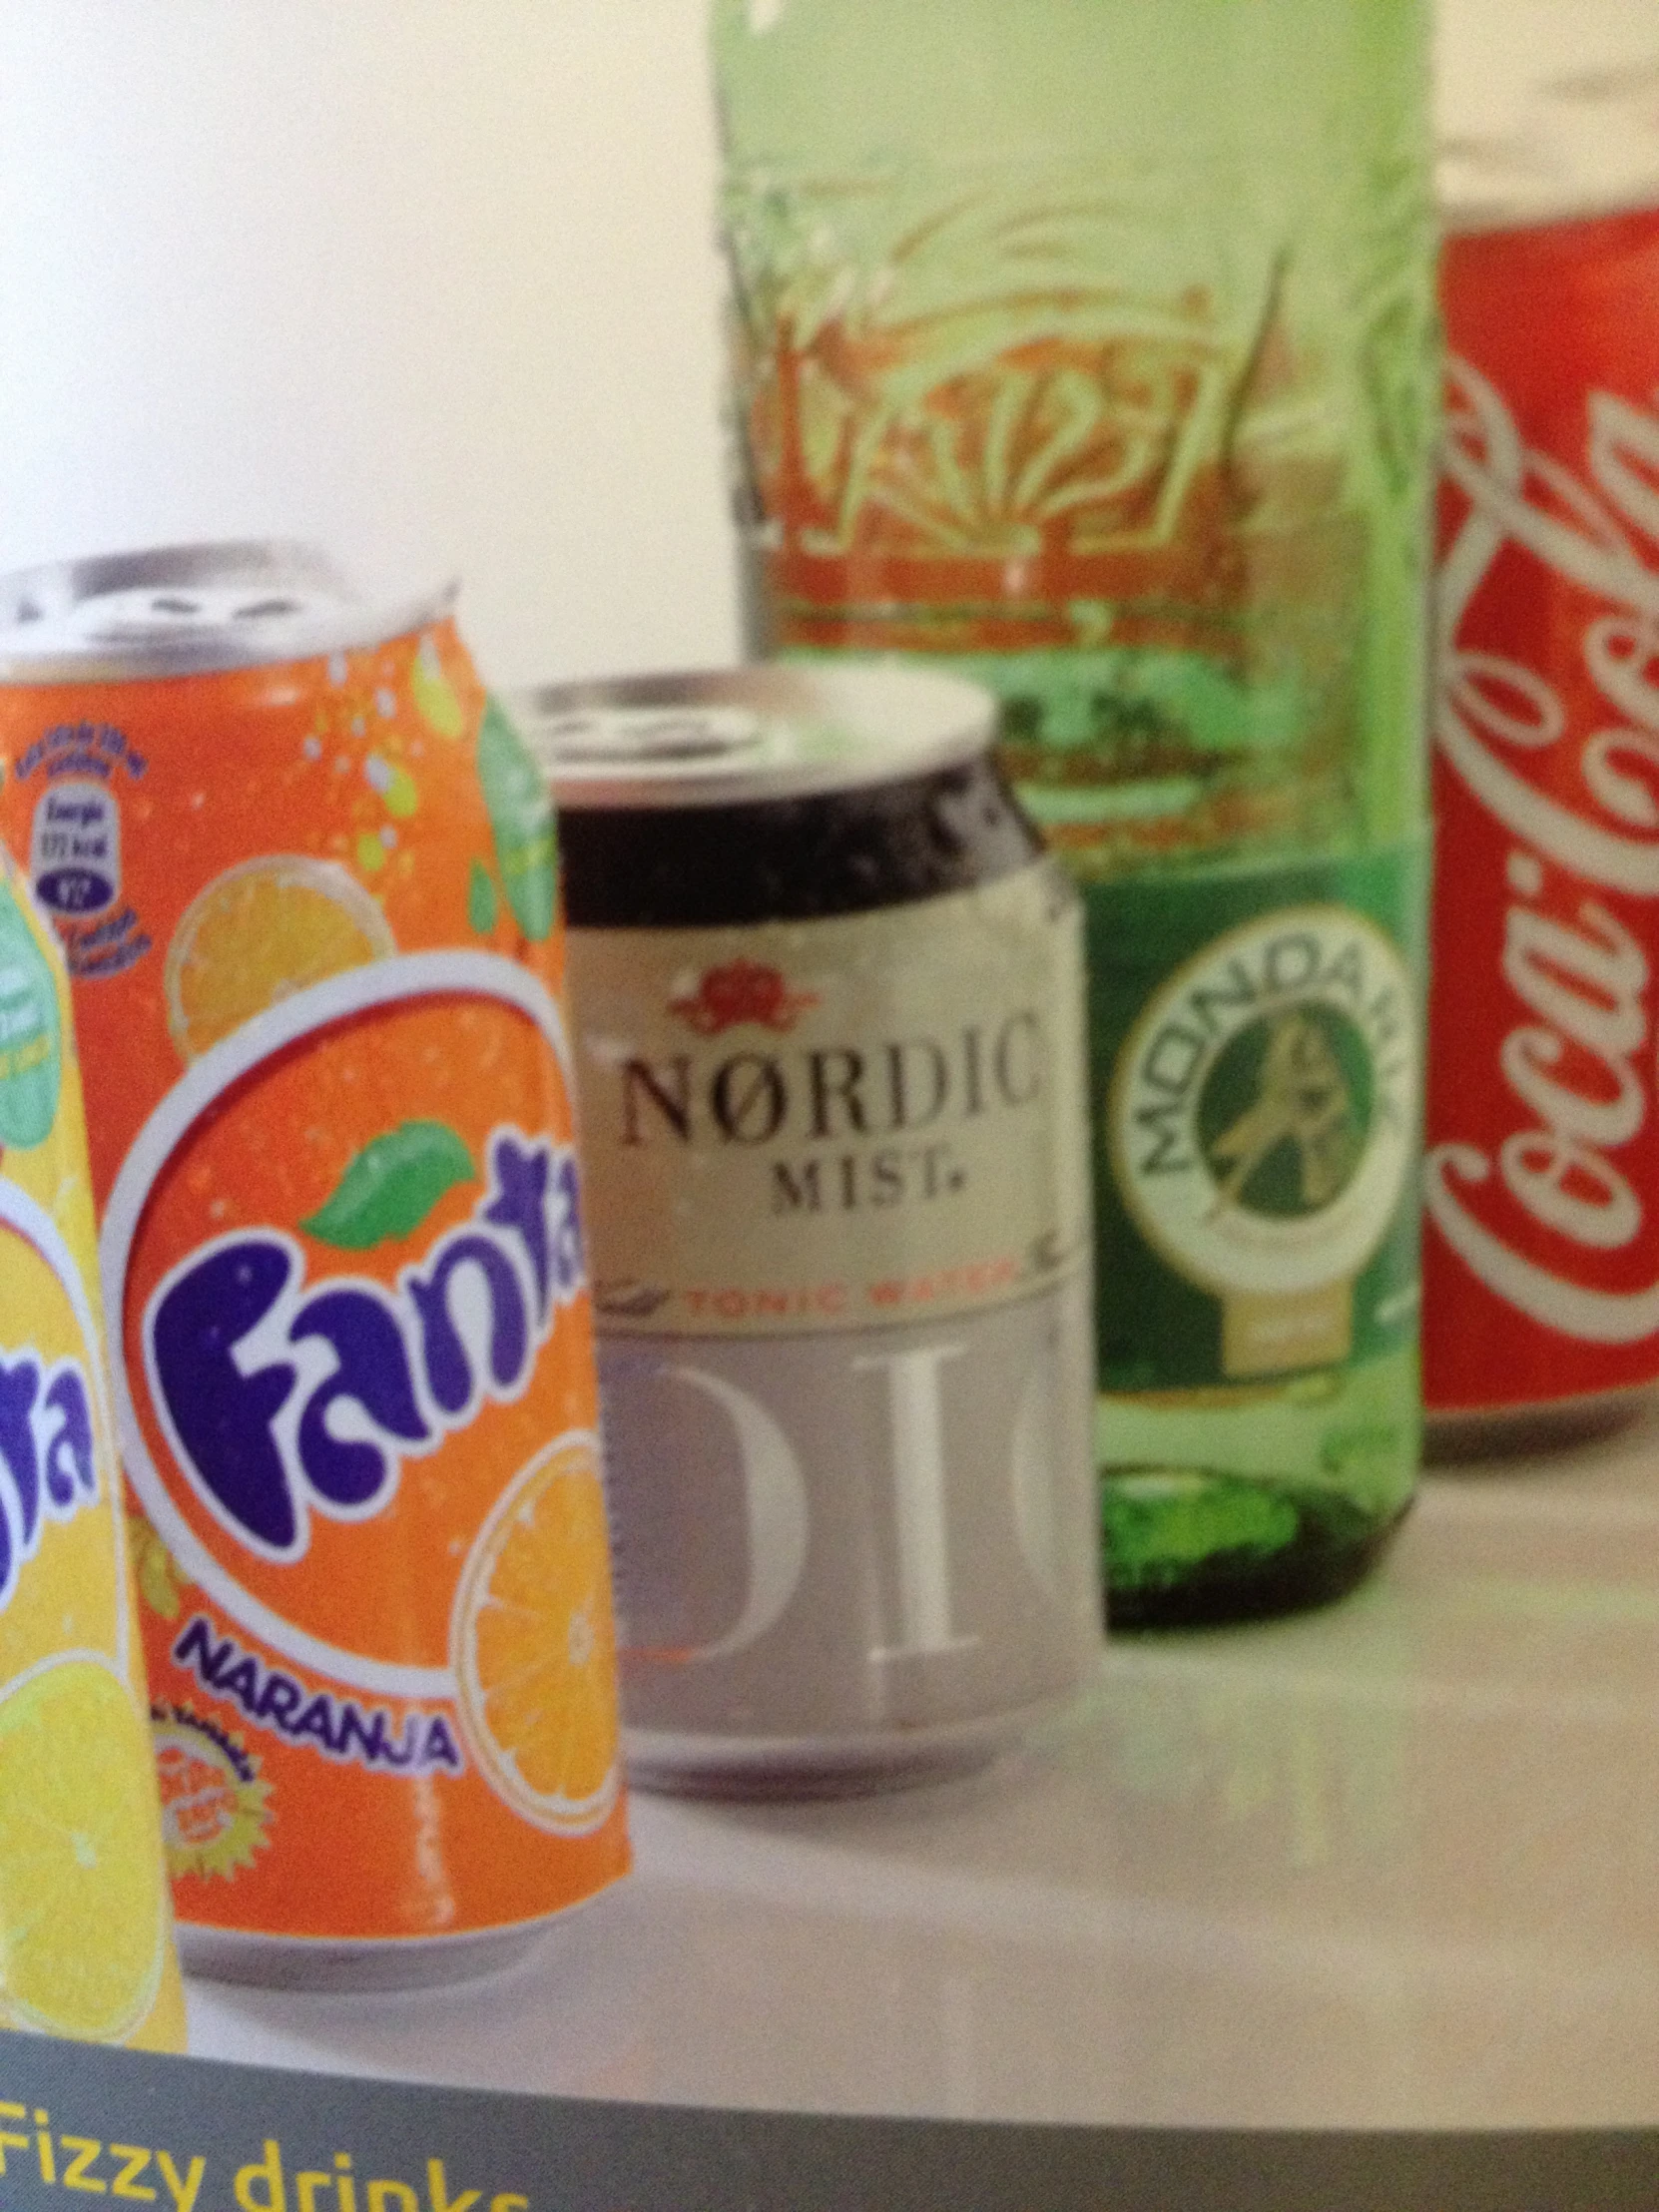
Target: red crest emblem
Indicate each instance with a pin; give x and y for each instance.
(745, 990)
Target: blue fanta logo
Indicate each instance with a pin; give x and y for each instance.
(47, 1467)
(279, 1398)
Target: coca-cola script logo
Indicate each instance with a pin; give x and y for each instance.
(1562, 761)
(743, 991)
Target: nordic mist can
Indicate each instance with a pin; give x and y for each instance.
(828, 996)
(304, 878)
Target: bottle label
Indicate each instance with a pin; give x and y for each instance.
(849, 1122)
(1257, 1084)
(838, 1196)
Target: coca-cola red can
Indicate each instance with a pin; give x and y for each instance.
(1541, 1240)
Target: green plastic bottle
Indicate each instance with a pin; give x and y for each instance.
(1088, 345)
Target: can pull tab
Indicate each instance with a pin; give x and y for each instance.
(620, 739)
(182, 596)
(128, 618)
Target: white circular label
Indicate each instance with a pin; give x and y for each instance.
(1262, 1116)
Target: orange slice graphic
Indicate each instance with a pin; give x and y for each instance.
(534, 1644)
(259, 932)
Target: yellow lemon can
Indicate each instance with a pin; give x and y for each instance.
(86, 1932)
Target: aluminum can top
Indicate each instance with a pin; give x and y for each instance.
(1545, 112)
(189, 610)
(784, 731)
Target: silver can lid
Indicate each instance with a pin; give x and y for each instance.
(786, 730)
(187, 610)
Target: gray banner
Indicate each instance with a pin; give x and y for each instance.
(244, 2137)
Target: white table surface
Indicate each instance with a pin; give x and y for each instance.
(1395, 1863)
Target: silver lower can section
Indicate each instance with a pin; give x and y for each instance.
(853, 1559)
(329, 1963)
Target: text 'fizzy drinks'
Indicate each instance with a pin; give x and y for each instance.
(304, 877)
(86, 1936)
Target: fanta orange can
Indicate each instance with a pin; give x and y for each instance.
(304, 877)
(86, 1931)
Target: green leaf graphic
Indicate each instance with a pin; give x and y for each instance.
(520, 808)
(31, 1038)
(391, 1186)
(482, 903)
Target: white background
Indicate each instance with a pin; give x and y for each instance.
(430, 281)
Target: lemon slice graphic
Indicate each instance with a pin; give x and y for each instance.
(83, 1902)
